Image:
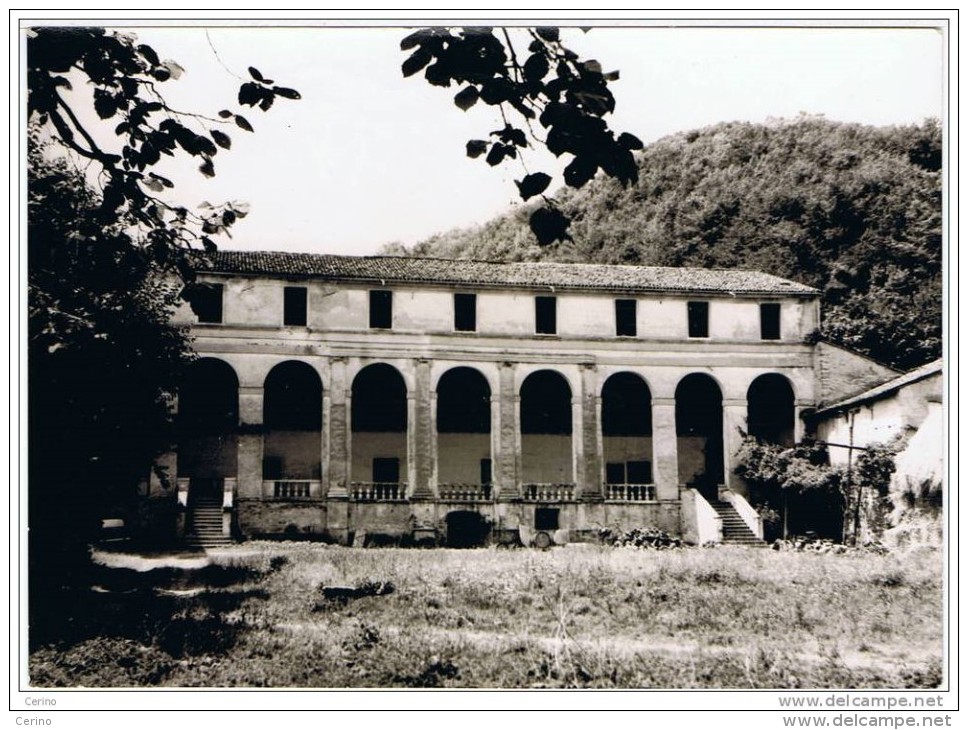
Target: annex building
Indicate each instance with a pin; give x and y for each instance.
(336, 397)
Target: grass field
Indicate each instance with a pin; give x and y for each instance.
(581, 616)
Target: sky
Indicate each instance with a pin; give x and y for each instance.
(368, 157)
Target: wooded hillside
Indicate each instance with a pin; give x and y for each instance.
(850, 209)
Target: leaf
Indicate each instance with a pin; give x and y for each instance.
(267, 98)
(414, 39)
(254, 73)
(533, 184)
(476, 148)
(549, 34)
(592, 66)
(104, 105)
(549, 225)
(225, 114)
(149, 53)
(154, 185)
(250, 94)
(221, 139)
(630, 141)
(161, 73)
(418, 59)
(580, 171)
(466, 97)
(243, 122)
(286, 93)
(228, 217)
(209, 245)
(536, 68)
(611, 76)
(207, 168)
(175, 69)
(496, 154)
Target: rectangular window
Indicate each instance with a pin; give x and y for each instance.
(770, 321)
(640, 472)
(615, 473)
(381, 310)
(294, 306)
(386, 470)
(205, 301)
(545, 315)
(546, 518)
(698, 319)
(465, 312)
(625, 318)
(486, 477)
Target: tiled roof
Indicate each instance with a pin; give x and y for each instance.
(530, 275)
(891, 386)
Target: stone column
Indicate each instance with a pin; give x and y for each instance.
(589, 477)
(336, 423)
(799, 427)
(735, 429)
(420, 432)
(507, 452)
(665, 451)
(249, 472)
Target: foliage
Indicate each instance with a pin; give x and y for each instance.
(868, 500)
(103, 361)
(850, 209)
(123, 77)
(103, 245)
(796, 482)
(568, 97)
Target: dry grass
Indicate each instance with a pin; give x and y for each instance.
(572, 617)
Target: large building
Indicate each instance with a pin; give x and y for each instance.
(336, 397)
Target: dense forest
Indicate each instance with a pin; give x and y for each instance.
(850, 209)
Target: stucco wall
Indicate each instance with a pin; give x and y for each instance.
(368, 446)
(841, 373)
(299, 453)
(546, 459)
(459, 457)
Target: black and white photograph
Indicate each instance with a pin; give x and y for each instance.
(425, 355)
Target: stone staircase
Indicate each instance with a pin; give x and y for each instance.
(205, 524)
(735, 531)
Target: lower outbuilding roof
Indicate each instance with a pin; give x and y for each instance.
(529, 275)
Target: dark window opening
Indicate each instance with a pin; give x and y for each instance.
(770, 321)
(208, 399)
(698, 319)
(465, 312)
(625, 318)
(639, 472)
(545, 315)
(546, 518)
(294, 306)
(205, 301)
(381, 310)
(386, 470)
(486, 476)
(615, 473)
(272, 467)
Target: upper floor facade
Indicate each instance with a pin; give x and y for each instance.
(301, 294)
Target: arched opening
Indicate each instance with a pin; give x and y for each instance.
(770, 411)
(293, 419)
(546, 449)
(378, 421)
(627, 437)
(463, 431)
(699, 433)
(208, 419)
